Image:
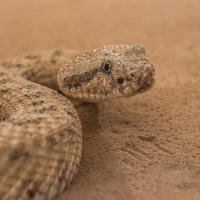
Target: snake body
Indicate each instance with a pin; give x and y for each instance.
(40, 131)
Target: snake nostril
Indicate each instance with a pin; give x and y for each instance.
(120, 80)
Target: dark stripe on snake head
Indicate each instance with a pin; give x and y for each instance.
(78, 80)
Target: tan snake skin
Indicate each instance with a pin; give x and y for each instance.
(40, 131)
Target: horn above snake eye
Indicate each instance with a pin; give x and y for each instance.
(106, 66)
(135, 50)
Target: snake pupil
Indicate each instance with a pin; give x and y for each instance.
(106, 66)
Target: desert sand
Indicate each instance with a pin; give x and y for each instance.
(146, 147)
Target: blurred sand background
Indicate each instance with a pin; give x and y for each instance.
(145, 147)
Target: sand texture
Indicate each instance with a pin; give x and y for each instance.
(145, 147)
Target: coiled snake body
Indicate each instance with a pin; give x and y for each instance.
(40, 131)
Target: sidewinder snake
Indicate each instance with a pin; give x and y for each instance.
(40, 131)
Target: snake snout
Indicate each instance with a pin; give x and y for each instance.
(147, 77)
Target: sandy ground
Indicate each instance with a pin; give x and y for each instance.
(145, 147)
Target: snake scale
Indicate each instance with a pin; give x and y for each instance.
(40, 131)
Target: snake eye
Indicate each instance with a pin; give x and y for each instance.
(106, 66)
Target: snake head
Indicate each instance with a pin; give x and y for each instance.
(111, 71)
